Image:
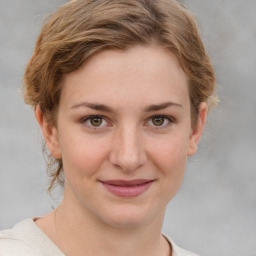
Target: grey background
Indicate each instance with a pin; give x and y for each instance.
(215, 211)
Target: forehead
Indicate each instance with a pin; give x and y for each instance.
(142, 72)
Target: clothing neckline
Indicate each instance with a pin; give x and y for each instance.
(50, 247)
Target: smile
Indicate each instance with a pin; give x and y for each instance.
(126, 189)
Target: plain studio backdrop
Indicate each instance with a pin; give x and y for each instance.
(214, 213)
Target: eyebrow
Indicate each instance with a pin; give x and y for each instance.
(161, 106)
(105, 108)
(95, 106)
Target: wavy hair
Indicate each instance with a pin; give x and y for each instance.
(82, 28)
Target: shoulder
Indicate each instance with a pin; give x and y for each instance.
(13, 247)
(26, 239)
(178, 251)
(12, 244)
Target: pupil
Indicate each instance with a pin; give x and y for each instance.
(158, 121)
(96, 121)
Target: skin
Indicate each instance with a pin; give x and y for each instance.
(128, 144)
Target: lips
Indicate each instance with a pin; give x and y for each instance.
(123, 188)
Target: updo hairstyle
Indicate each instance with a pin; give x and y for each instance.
(82, 28)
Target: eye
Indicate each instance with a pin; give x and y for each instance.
(160, 121)
(95, 121)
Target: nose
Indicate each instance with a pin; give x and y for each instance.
(127, 150)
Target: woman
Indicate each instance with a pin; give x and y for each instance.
(121, 91)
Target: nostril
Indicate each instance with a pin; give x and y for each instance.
(127, 162)
(127, 150)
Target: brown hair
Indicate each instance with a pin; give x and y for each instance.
(82, 28)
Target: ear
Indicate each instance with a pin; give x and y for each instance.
(50, 133)
(197, 131)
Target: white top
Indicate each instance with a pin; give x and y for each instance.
(27, 239)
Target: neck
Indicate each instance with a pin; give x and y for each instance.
(97, 238)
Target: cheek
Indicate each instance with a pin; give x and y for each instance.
(82, 156)
(170, 157)
(170, 150)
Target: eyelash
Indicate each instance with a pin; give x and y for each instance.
(169, 119)
(88, 118)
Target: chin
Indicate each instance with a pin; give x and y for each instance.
(126, 221)
(129, 217)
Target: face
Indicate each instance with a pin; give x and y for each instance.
(124, 134)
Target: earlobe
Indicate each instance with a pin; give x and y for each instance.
(197, 131)
(50, 133)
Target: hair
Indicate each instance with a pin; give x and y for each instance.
(82, 28)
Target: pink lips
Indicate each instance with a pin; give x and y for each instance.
(124, 188)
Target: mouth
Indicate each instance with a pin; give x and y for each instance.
(123, 188)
